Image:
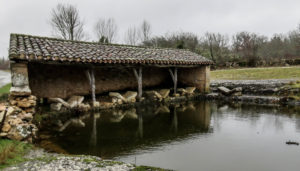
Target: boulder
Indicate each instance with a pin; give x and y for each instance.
(59, 100)
(224, 90)
(114, 100)
(55, 106)
(164, 93)
(2, 107)
(84, 107)
(31, 97)
(14, 121)
(176, 95)
(237, 89)
(26, 103)
(21, 131)
(117, 95)
(74, 101)
(153, 95)
(3, 134)
(190, 90)
(130, 97)
(96, 104)
(6, 127)
(106, 104)
(26, 116)
(30, 110)
(213, 95)
(182, 91)
(239, 93)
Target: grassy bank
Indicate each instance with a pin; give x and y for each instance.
(257, 73)
(12, 152)
(5, 89)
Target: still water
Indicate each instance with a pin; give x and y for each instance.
(191, 136)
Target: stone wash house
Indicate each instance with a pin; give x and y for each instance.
(55, 68)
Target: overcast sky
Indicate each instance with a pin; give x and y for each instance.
(198, 16)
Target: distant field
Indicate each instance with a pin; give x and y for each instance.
(257, 73)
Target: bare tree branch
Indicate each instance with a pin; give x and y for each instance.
(145, 31)
(106, 29)
(132, 36)
(66, 22)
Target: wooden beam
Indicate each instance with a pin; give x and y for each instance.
(91, 77)
(139, 78)
(174, 78)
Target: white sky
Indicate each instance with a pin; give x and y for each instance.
(198, 16)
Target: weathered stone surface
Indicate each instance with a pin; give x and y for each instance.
(190, 90)
(3, 134)
(212, 96)
(164, 93)
(26, 103)
(153, 95)
(10, 110)
(96, 104)
(20, 91)
(26, 116)
(130, 96)
(14, 121)
(181, 91)
(224, 90)
(6, 127)
(75, 101)
(237, 89)
(84, 107)
(106, 104)
(55, 106)
(59, 100)
(117, 95)
(239, 93)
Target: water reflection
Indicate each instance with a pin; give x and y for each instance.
(118, 132)
(188, 136)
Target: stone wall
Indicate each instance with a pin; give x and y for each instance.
(48, 80)
(196, 77)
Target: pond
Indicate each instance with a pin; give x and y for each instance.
(190, 136)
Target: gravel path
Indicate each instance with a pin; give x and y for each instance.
(253, 82)
(38, 160)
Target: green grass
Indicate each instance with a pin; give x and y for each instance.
(12, 152)
(5, 89)
(148, 168)
(257, 73)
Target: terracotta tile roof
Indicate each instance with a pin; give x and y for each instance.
(34, 48)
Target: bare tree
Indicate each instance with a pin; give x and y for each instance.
(247, 45)
(216, 44)
(106, 29)
(66, 22)
(132, 36)
(145, 31)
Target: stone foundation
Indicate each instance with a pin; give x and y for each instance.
(17, 117)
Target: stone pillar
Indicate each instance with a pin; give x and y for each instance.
(196, 77)
(17, 123)
(19, 78)
(20, 93)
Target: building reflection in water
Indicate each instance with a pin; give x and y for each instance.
(115, 132)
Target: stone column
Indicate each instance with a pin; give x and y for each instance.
(198, 77)
(18, 122)
(20, 93)
(19, 78)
